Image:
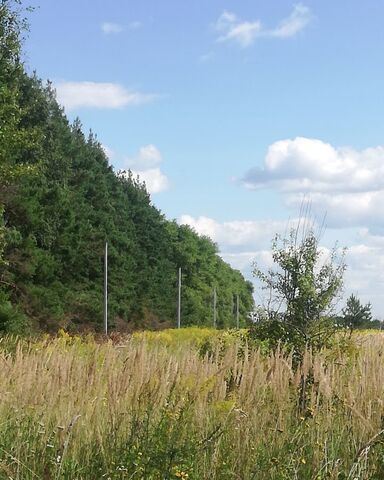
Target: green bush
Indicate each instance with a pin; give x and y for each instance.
(12, 320)
(276, 332)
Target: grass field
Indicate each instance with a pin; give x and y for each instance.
(196, 404)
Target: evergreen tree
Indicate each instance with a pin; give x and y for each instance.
(355, 314)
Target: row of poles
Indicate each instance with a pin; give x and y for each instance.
(215, 309)
(178, 299)
(214, 306)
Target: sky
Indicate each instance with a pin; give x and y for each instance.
(234, 113)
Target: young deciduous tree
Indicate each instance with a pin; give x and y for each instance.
(302, 289)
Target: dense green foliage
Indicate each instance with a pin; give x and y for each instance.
(61, 200)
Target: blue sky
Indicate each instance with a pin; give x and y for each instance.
(233, 111)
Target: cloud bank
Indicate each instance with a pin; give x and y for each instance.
(345, 183)
(236, 234)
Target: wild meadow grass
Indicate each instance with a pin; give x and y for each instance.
(189, 404)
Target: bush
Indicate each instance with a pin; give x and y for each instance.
(12, 320)
(276, 333)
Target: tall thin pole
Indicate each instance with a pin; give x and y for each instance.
(237, 312)
(106, 289)
(179, 301)
(214, 307)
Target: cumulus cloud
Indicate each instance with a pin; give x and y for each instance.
(74, 95)
(238, 235)
(346, 183)
(146, 165)
(148, 157)
(311, 165)
(244, 261)
(154, 179)
(111, 28)
(349, 209)
(241, 242)
(244, 33)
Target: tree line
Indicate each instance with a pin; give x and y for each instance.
(60, 200)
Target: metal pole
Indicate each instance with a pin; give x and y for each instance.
(237, 311)
(179, 302)
(106, 289)
(214, 307)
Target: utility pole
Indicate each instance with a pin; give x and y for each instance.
(214, 307)
(237, 312)
(179, 301)
(106, 289)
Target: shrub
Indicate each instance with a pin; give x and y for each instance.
(12, 320)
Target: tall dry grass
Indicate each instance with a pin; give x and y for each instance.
(75, 409)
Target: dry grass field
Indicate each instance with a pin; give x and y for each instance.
(189, 404)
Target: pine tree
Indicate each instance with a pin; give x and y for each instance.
(355, 314)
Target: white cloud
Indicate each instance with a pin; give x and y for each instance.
(73, 95)
(231, 28)
(154, 179)
(146, 165)
(311, 165)
(372, 239)
(238, 234)
(111, 28)
(244, 33)
(148, 157)
(290, 26)
(347, 209)
(244, 261)
(345, 183)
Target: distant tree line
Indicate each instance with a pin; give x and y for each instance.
(60, 200)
